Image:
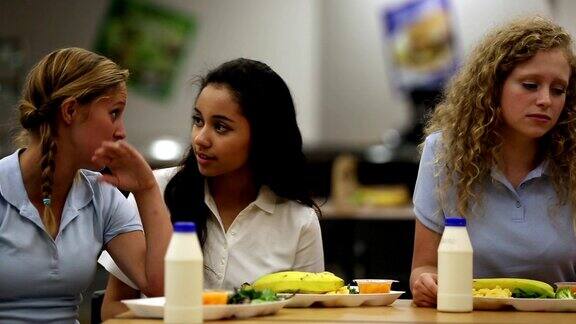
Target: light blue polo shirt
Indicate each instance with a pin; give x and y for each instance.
(41, 279)
(515, 232)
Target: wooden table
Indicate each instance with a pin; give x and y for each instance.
(400, 312)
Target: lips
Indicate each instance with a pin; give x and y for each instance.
(539, 117)
(204, 158)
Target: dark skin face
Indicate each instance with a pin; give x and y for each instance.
(220, 133)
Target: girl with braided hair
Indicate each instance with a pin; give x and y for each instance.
(501, 152)
(56, 215)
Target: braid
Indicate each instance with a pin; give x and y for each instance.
(47, 163)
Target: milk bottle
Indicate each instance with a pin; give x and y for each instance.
(455, 268)
(183, 282)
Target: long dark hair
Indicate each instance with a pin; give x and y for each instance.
(276, 156)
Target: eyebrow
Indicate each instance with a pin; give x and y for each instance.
(114, 101)
(217, 117)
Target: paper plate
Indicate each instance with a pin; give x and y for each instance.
(154, 308)
(526, 304)
(341, 300)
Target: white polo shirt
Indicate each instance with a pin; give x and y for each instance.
(271, 234)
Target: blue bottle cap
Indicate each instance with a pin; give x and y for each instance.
(454, 221)
(184, 227)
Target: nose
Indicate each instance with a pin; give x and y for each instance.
(200, 137)
(544, 99)
(120, 132)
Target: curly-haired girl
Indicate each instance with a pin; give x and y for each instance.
(501, 151)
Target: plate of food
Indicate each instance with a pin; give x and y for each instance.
(305, 289)
(342, 300)
(523, 295)
(242, 303)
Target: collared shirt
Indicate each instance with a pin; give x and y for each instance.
(518, 232)
(271, 234)
(41, 278)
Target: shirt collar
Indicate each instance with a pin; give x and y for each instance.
(541, 170)
(13, 190)
(82, 191)
(266, 199)
(11, 183)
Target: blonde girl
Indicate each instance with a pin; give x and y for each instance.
(55, 214)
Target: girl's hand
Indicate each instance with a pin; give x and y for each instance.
(129, 170)
(425, 290)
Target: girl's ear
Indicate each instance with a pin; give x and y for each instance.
(69, 110)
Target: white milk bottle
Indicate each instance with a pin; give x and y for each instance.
(455, 268)
(183, 282)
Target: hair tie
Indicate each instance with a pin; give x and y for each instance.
(46, 201)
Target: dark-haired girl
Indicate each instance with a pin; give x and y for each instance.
(243, 183)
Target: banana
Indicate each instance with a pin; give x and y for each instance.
(520, 288)
(299, 282)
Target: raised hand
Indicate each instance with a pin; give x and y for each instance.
(129, 170)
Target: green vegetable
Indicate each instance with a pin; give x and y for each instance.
(522, 293)
(246, 294)
(564, 293)
(352, 291)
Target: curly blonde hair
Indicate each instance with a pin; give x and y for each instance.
(63, 74)
(470, 119)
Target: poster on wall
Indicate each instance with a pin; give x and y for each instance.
(421, 43)
(147, 39)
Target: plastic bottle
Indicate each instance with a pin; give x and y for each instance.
(455, 268)
(183, 282)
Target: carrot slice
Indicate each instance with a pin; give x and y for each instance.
(215, 297)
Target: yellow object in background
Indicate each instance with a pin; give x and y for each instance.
(383, 196)
(347, 191)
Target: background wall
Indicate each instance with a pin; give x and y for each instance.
(330, 52)
(358, 103)
(283, 34)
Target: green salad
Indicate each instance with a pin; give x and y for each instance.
(564, 293)
(246, 294)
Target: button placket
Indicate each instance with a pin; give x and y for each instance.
(518, 213)
(223, 259)
(54, 263)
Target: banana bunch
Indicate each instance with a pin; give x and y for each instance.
(520, 288)
(299, 282)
